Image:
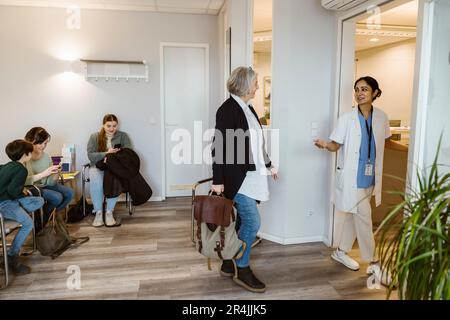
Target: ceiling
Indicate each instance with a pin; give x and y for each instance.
(404, 15)
(262, 20)
(211, 7)
(262, 25)
(397, 24)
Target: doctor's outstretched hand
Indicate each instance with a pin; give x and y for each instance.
(321, 144)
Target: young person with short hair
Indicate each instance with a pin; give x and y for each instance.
(14, 200)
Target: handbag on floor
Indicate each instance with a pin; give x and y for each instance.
(54, 238)
(76, 213)
(216, 231)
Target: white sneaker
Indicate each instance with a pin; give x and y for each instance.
(382, 276)
(342, 257)
(109, 219)
(98, 220)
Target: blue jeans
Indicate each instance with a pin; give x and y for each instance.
(14, 210)
(97, 194)
(57, 196)
(250, 224)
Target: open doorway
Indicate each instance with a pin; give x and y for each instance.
(380, 42)
(385, 48)
(262, 58)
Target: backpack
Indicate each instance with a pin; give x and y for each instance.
(76, 213)
(216, 228)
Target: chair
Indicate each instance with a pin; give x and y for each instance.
(37, 193)
(395, 123)
(85, 178)
(194, 188)
(6, 227)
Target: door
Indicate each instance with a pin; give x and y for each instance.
(430, 112)
(432, 79)
(185, 90)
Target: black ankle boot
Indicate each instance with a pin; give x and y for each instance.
(227, 269)
(245, 278)
(17, 267)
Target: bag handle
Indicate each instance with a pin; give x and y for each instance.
(53, 219)
(210, 193)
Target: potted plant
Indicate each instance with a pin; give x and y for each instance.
(415, 238)
(267, 116)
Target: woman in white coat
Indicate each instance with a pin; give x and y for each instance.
(361, 136)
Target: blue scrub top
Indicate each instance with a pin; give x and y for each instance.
(363, 181)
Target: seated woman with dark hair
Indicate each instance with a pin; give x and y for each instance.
(43, 174)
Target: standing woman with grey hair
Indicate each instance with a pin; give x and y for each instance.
(242, 175)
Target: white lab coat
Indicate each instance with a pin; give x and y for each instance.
(348, 134)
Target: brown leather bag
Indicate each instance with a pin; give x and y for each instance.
(216, 232)
(54, 238)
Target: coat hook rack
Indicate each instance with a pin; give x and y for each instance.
(116, 69)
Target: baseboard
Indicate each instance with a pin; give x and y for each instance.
(327, 242)
(152, 199)
(287, 241)
(156, 199)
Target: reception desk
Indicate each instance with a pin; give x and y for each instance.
(395, 164)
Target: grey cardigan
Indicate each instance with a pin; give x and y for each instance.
(92, 147)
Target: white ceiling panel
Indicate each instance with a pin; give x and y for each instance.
(216, 4)
(192, 4)
(211, 7)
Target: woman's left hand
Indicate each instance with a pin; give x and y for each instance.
(274, 173)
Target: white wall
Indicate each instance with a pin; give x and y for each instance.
(304, 38)
(35, 92)
(263, 66)
(393, 66)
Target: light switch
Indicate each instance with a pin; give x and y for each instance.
(314, 129)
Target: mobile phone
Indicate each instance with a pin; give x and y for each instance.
(117, 146)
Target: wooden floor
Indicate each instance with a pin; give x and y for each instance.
(151, 257)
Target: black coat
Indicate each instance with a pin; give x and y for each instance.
(122, 175)
(232, 173)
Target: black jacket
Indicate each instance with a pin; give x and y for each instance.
(122, 175)
(231, 172)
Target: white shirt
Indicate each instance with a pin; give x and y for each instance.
(348, 134)
(255, 185)
(109, 141)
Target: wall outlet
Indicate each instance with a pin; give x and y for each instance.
(310, 212)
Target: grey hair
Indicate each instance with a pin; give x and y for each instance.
(240, 81)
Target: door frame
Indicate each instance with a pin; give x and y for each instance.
(345, 32)
(163, 102)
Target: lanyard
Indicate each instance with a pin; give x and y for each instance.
(369, 131)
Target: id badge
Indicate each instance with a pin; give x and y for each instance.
(369, 169)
